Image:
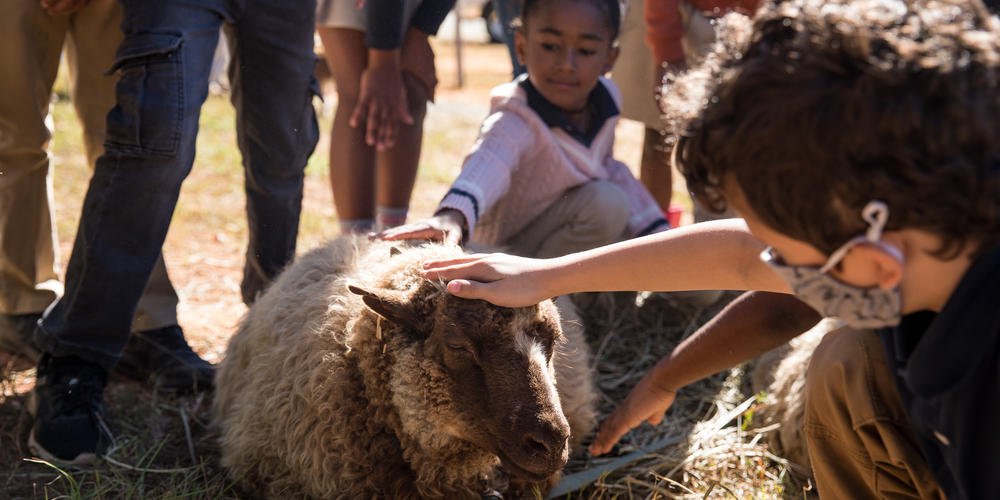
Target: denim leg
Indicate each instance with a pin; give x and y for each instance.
(272, 90)
(149, 149)
(507, 11)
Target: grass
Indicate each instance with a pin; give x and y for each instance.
(165, 445)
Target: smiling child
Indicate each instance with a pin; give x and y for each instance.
(541, 180)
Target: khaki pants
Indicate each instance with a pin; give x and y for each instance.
(31, 42)
(634, 72)
(860, 441)
(587, 216)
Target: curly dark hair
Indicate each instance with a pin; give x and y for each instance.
(825, 105)
(610, 8)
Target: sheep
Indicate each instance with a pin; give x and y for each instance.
(354, 377)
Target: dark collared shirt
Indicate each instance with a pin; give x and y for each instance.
(947, 369)
(599, 102)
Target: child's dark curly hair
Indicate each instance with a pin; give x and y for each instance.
(827, 104)
(610, 8)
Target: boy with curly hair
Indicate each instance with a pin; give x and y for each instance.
(857, 138)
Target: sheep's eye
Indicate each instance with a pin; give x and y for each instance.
(458, 348)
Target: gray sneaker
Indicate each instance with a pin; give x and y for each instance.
(17, 335)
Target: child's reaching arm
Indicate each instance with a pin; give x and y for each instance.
(716, 255)
(751, 325)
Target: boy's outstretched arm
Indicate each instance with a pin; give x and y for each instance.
(716, 255)
(753, 324)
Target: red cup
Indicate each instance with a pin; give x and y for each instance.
(674, 214)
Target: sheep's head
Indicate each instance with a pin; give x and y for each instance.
(492, 376)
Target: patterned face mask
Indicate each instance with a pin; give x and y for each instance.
(856, 306)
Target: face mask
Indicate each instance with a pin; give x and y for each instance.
(856, 306)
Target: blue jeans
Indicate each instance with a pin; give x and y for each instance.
(165, 61)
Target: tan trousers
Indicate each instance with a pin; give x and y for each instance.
(860, 441)
(31, 42)
(634, 72)
(587, 216)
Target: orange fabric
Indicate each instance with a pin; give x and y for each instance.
(664, 29)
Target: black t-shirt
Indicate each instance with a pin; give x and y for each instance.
(947, 369)
(385, 21)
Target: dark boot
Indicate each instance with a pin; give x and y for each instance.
(165, 358)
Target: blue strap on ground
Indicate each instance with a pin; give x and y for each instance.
(580, 479)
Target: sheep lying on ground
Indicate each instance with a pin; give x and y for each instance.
(353, 377)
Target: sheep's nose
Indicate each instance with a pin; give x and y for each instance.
(546, 440)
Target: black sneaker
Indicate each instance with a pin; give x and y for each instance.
(17, 335)
(164, 357)
(68, 405)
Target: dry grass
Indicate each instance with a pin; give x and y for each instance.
(706, 447)
(165, 446)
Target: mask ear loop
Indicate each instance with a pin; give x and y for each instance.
(876, 214)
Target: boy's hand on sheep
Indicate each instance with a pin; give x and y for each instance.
(647, 402)
(504, 280)
(447, 226)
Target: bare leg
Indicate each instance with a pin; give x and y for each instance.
(352, 161)
(396, 168)
(654, 168)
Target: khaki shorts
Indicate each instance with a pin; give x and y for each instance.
(346, 14)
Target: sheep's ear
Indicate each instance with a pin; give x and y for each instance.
(389, 304)
(394, 251)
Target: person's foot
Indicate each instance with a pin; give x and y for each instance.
(17, 335)
(68, 405)
(165, 358)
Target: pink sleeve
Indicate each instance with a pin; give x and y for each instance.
(487, 170)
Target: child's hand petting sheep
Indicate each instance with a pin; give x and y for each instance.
(504, 280)
(448, 226)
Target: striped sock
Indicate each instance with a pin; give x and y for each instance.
(386, 217)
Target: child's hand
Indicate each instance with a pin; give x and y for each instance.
(647, 402)
(504, 280)
(445, 226)
(382, 104)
